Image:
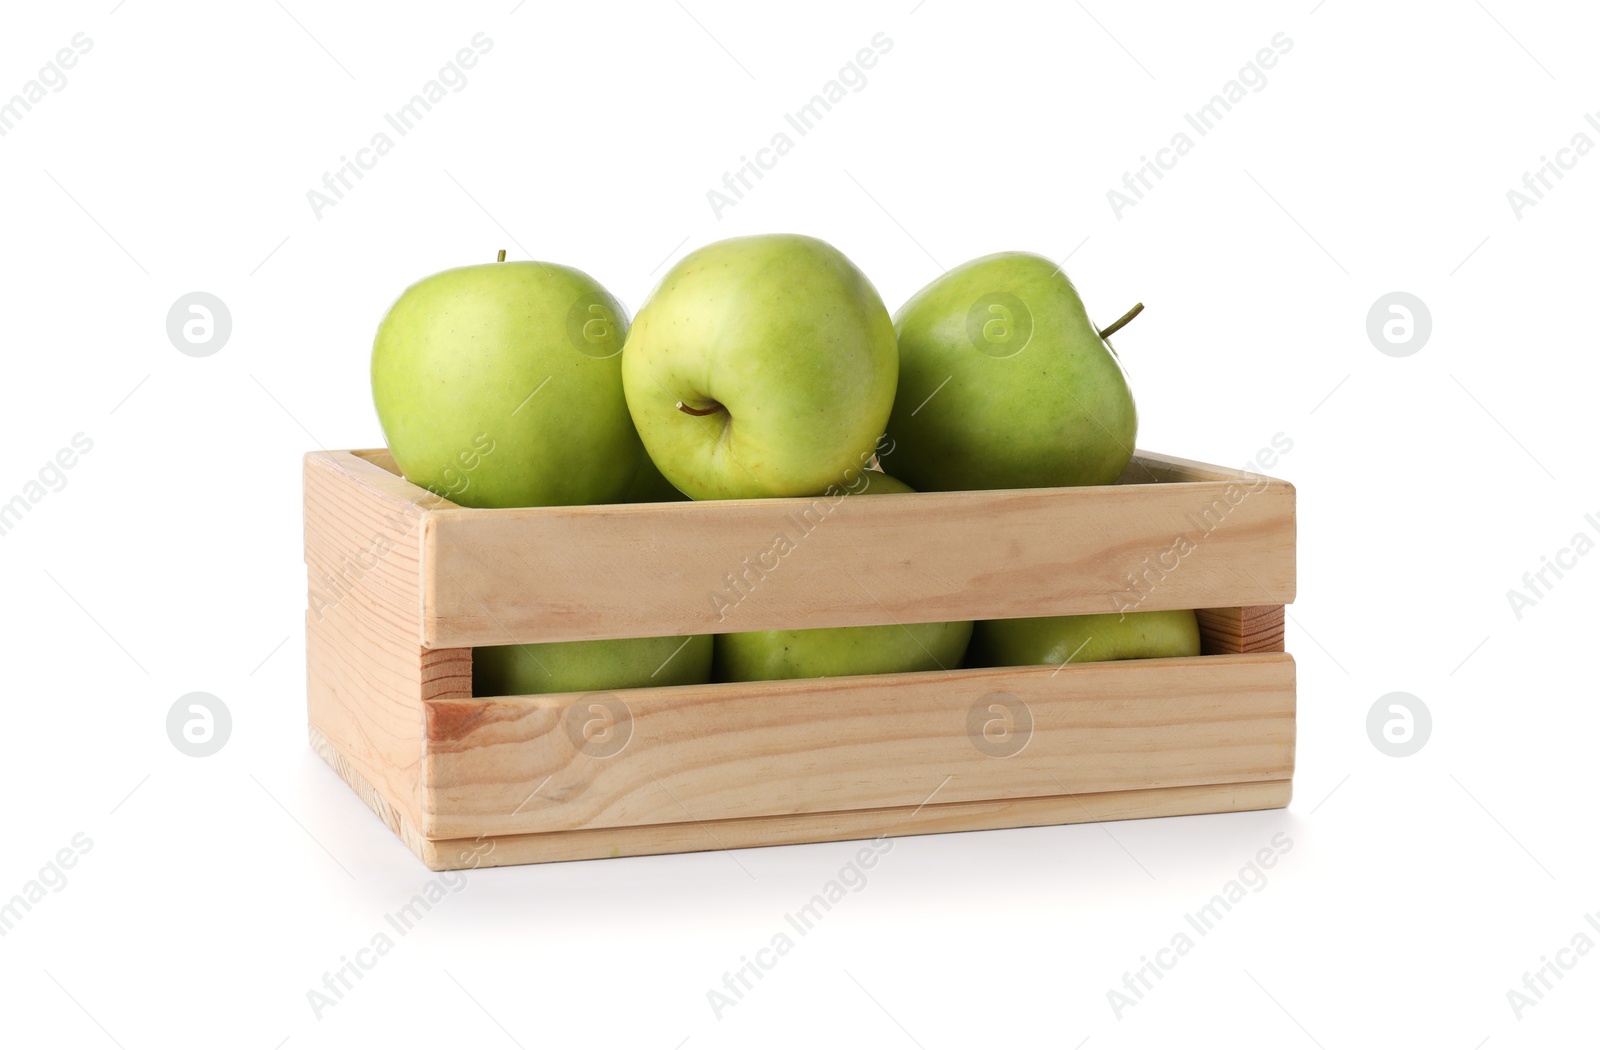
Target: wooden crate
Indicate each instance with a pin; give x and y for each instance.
(403, 584)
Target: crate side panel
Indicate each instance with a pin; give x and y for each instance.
(364, 661)
(570, 573)
(375, 799)
(659, 756)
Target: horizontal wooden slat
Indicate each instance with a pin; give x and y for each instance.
(567, 573)
(933, 818)
(694, 836)
(514, 765)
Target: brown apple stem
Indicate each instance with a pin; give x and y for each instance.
(712, 409)
(501, 257)
(1116, 326)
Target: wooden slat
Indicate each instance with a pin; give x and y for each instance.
(568, 573)
(513, 765)
(1247, 629)
(695, 836)
(858, 824)
(366, 672)
(1155, 467)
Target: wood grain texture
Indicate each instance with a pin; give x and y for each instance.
(1242, 629)
(365, 790)
(933, 818)
(512, 765)
(366, 672)
(567, 573)
(481, 851)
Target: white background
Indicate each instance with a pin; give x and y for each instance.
(1377, 158)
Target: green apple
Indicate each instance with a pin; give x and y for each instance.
(650, 487)
(820, 652)
(823, 652)
(761, 366)
(1005, 383)
(1084, 639)
(875, 483)
(501, 386)
(584, 667)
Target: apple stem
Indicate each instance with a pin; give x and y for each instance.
(711, 410)
(501, 257)
(1116, 326)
